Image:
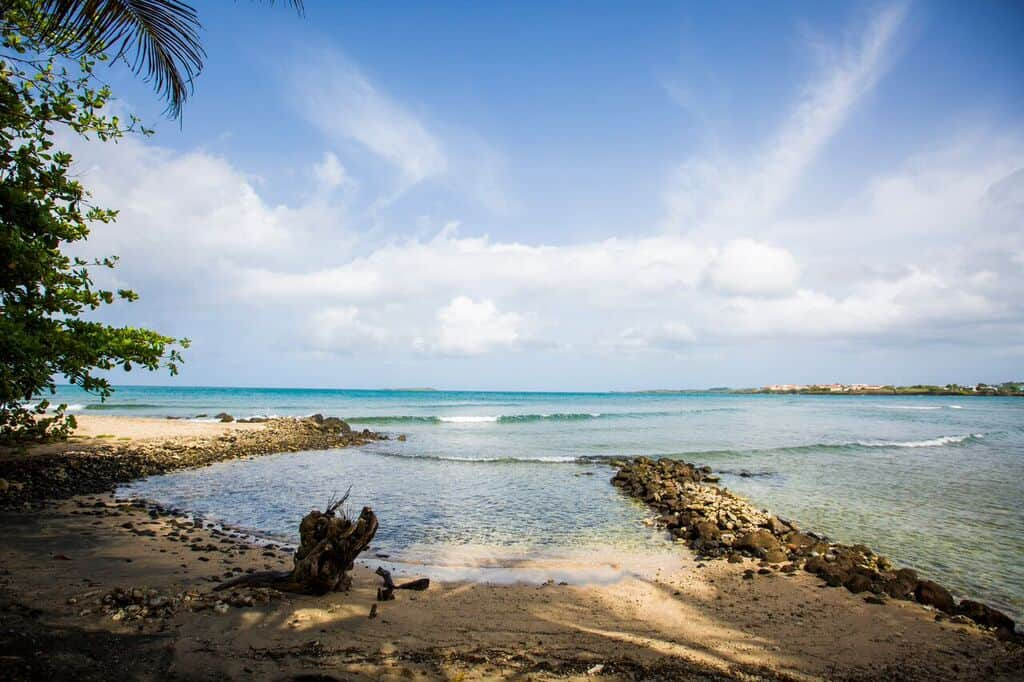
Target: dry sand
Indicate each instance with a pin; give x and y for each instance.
(690, 622)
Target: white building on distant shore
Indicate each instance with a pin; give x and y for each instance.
(831, 388)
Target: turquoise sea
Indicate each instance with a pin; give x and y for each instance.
(493, 481)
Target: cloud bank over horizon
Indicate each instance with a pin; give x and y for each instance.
(362, 261)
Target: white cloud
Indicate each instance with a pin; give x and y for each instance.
(468, 327)
(188, 216)
(330, 173)
(341, 330)
(747, 267)
(918, 302)
(669, 336)
(337, 98)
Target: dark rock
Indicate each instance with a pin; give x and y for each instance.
(735, 558)
(335, 424)
(902, 585)
(776, 526)
(224, 417)
(933, 594)
(858, 583)
(985, 615)
(758, 541)
(776, 556)
(317, 418)
(707, 531)
(800, 542)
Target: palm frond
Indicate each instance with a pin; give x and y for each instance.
(159, 39)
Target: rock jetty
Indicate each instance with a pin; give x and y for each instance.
(718, 524)
(30, 478)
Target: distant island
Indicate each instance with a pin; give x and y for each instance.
(1008, 388)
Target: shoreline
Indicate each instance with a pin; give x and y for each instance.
(69, 567)
(107, 450)
(719, 525)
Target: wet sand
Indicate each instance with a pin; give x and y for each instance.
(688, 621)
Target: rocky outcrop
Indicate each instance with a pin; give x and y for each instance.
(97, 468)
(718, 524)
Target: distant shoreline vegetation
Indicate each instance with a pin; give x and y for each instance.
(1008, 388)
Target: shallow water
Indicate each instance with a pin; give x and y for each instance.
(493, 478)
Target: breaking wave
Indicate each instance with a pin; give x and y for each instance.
(522, 418)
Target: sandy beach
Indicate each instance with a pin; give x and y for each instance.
(690, 621)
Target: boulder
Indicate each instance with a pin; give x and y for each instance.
(707, 531)
(335, 424)
(902, 584)
(800, 542)
(985, 615)
(776, 556)
(835, 574)
(933, 594)
(776, 526)
(857, 583)
(224, 417)
(758, 541)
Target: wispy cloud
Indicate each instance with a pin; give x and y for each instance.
(337, 98)
(722, 191)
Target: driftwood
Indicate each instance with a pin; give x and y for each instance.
(330, 543)
(387, 592)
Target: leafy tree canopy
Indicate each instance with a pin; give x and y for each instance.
(48, 88)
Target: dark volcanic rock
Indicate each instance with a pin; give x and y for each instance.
(902, 585)
(858, 583)
(800, 542)
(758, 541)
(933, 594)
(708, 531)
(335, 424)
(985, 615)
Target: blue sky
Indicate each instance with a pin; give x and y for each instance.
(581, 196)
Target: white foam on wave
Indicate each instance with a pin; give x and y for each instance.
(468, 419)
(911, 407)
(73, 407)
(930, 443)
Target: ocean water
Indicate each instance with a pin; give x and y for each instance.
(501, 480)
